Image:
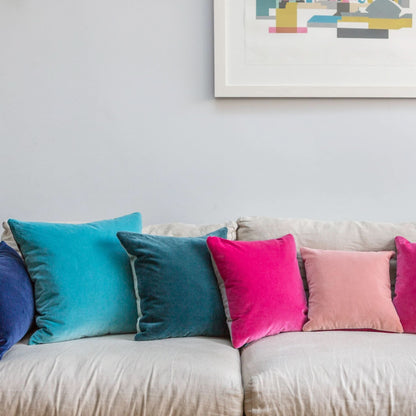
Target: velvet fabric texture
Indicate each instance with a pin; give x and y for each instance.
(262, 288)
(349, 290)
(177, 293)
(16, 299)
(405, 298)
(82, 277)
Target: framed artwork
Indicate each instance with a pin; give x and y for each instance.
(315, 48)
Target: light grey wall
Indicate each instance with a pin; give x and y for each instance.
(106, 106)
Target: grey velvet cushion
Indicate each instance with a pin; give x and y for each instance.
(115, 375)
(330, 373)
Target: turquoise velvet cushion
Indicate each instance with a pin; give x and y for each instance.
(177, 291)
(82, 277)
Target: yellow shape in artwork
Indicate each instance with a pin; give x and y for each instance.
(389, 23)
(287, 17)
(374, 23)
(354, 7)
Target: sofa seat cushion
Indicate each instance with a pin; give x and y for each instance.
(330, 373)
(114, 375)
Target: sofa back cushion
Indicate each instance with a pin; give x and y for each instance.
(328, 235)
(178, 229)
(7, 237)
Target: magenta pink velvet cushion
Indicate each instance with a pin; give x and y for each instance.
(349, 290)
(405, 299)
(261, 287)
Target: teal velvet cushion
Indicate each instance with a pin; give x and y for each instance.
(176, 287)
(82, 277)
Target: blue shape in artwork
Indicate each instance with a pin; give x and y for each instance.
(324, 19)
(263, 6)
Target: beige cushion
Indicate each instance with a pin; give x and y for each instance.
(330, 373)
(173, 229)
(328, 235)
(190, 230)
(8, 238)
(114, 375)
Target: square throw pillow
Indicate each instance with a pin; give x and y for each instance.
(82, 277)
(261, 287)
(16, 299)
(349, 290)
(405, 298)
(177, 292)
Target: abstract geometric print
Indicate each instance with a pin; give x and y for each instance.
(370, 19)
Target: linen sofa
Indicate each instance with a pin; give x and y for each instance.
(294, 373)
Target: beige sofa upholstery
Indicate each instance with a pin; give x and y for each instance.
(114, 375)
(345, 373)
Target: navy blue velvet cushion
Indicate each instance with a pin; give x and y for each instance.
(16, 299)
(176, 288)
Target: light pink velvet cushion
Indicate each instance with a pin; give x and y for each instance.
(262, 287)
(405, 299)
(349, 290)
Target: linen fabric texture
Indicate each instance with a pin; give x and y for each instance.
(343, 373)
(349, 290)
(405, 299)
(82, 277)
(263, 293)
(113, 375)
(178, 229)
(176, 289)
(7, 237)
(16, 299)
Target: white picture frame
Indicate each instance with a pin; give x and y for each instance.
(390, 72)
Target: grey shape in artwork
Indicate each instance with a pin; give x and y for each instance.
(342, 8)
(321, 24)
(404, 3)
(363, 33)
(330, 4)
(383, 9)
